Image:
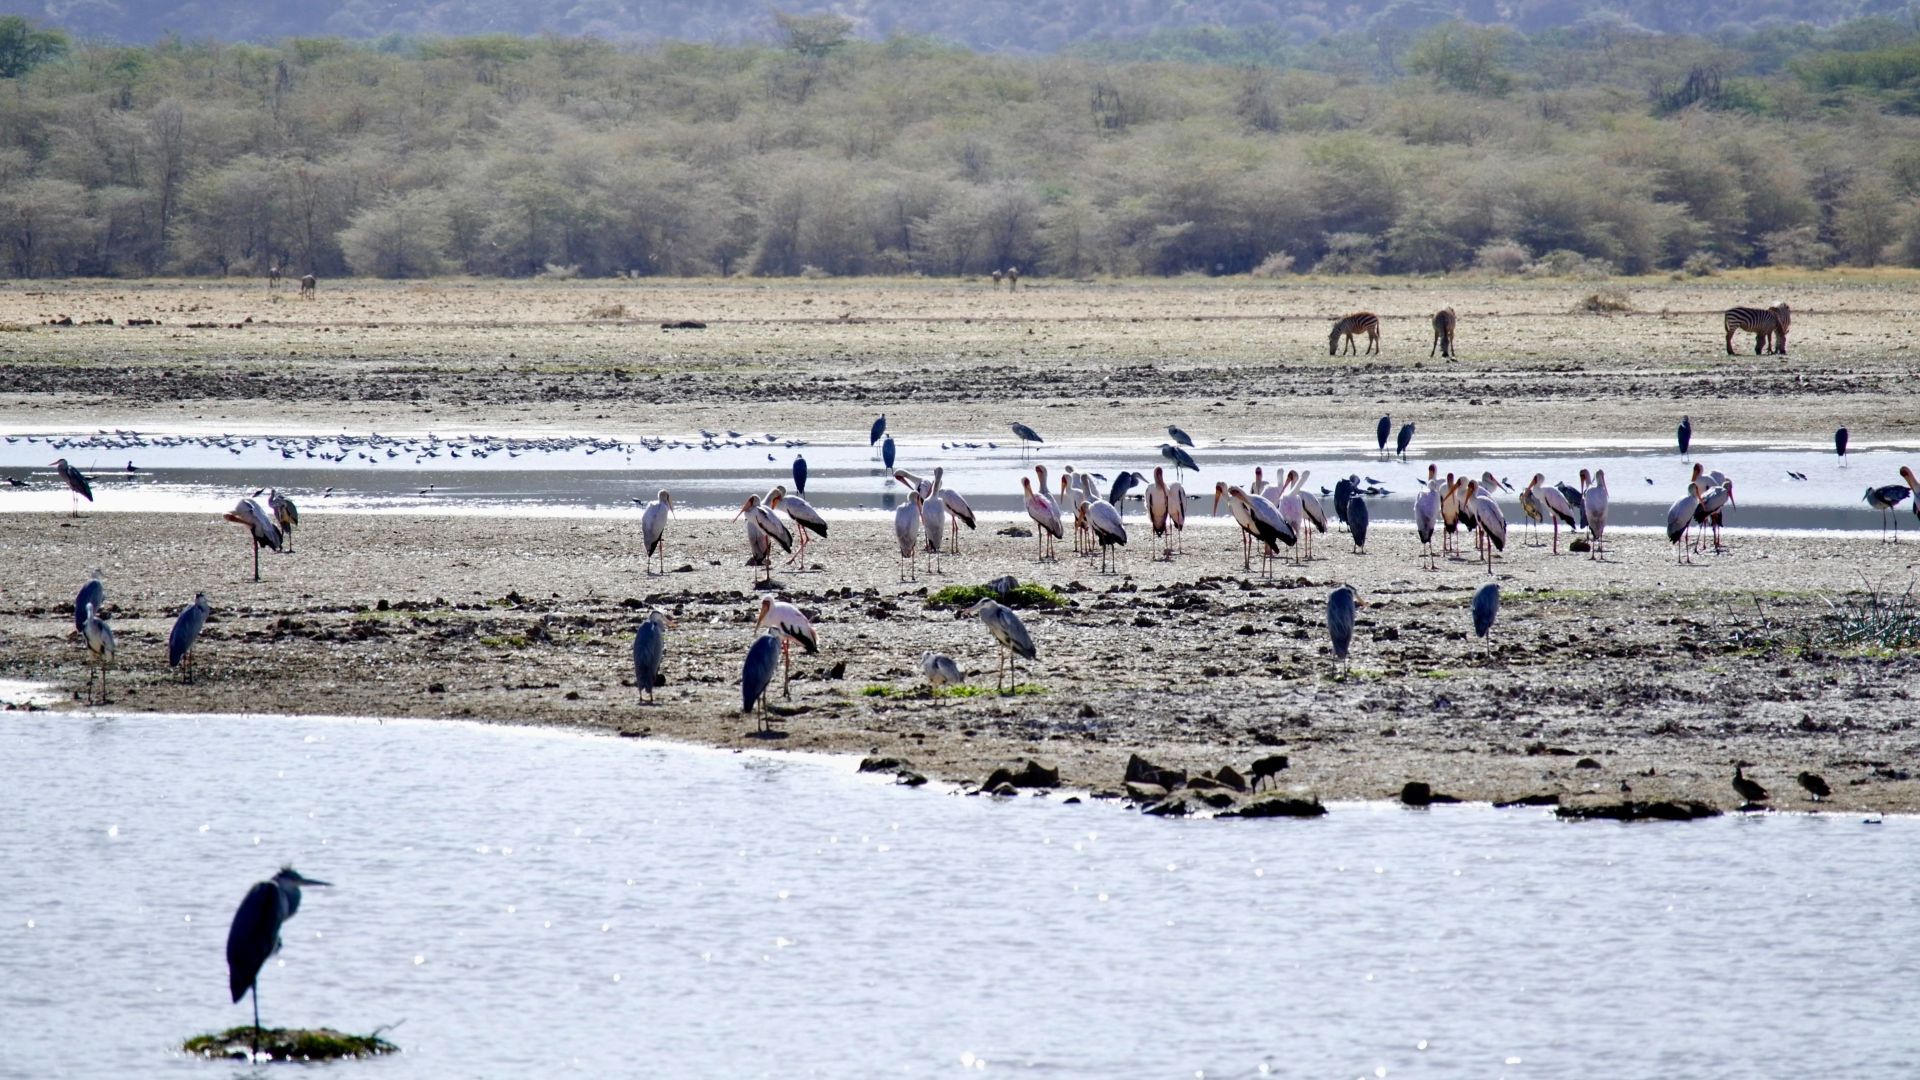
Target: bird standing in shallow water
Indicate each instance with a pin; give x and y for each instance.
(76, 482)
(763, 659)
(255, 934)
(1684, 436)
(1840, 445)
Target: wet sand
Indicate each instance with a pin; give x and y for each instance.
(1630, 672)
(1660, 676)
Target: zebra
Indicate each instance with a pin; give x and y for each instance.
(1443, 321)
(1767, 325)
(1360, 322)
(1013, 278)
(997, 275)
(307, 285)
(273, 277)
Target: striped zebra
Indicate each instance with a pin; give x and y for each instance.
(1443, 322)
(1360, 322)
(1767, 325)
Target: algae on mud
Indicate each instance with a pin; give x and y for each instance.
(288, 1044)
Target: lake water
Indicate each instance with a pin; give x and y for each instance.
(536, 903)
(576, 475)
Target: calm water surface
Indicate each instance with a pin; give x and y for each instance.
(542, 903)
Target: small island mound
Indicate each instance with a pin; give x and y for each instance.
(289, 1044)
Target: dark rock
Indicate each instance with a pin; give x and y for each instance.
(880, 763)
(1142, 771)
(1629, 810)
(838, 670)
(683, 324)
(1420, 793)
(1004, 790)
(573, 695)
(1203, 782)
(1278, 806)
(436, 688)
(1016, 530)
(909, 778)
(1171, 806)
(1580, 544)
(1144, 793)
(1031, 774)
(1586, 763)
(1228, 777)
(1530, 800)
(1088, 712)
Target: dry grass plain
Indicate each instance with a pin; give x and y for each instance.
(1626, 679)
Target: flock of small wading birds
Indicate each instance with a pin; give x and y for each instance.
(1270, 515)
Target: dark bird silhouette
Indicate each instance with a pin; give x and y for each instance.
(1816, 785)
(1884, 499)
(1340, 620)
(255, 934)
(1180, 458)
(1403, 440)
(92, 597)
(763, 659)
(1684, 435)
(879, 428)
(186, 631)
(1840, 444)
(649, 647)
(1026, 434)
(887, 452)
(1382, 431)
(1486, 606)
(800, 474)
(1747, 787)
(1342, 493)
(76, 482)
(1179, 436)
(1357, 522)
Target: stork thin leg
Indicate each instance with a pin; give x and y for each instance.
(256, 559)
(786, 668)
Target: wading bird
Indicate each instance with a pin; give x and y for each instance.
(1269, 528)
(1840, 445)
(285, 514)
(792, 626)
(255, 934)
(1816, 785)
(879, 428)
(1426, 513)
(887, 451)
(764, 529)
(1594, 500)
(259, 525)
(958, 511)
(1108, 530)
(1160, 513)
(799, 474)
(1382, 431)
(1403, 440)
(1680, 519)
(76, 482)
(649, 648)
(1554, 502)
(763, 659)
(1357, 515)
(806, 520)
(906, 530)
(1491, 523)
(1026, 435)
(100, 646)
(91, 597)
(1180, 458)
(1684, 435)
(1045, 515)
(1242, 510)
(186, 631)
(1884, 499)
(1486, 606)
(940, 670)
(1179, 436)
(1177, 513)
(1340, 607)
(1009, 632)
(653, 529)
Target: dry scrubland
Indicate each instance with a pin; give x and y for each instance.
(1624, 667)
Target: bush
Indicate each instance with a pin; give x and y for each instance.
(1348, 253)
(1800, 247)
(1275, 265)
(1570, 264)
(1701, 264)
(1502, 257)
(813, 272)
(607, 311)
(556, 272)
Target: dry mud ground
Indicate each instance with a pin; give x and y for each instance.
(1660, 676)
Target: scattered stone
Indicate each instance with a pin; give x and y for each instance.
(877, 763)
(436, 688)
(1032, 774)
(1088, 712)
(683, 324)
(1004, 791)
(1227, 776)
(1586, 763)
(838, 670)
(1278, 806)
(1016, 530)
(1580, 544)
(1142, 771)
(1143, 792)
(1629, 810)
(1530, 800)
(1420, 793)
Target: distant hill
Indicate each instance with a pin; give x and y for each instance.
(993, 25)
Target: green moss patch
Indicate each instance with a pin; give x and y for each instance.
(289, 1044)
(1024, 595)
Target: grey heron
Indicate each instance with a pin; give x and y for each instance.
(649, 648)
(1840, 445)
(1123, 484)
(100, 646)
(1382, 431)
(906, 530)
(1026, 435)
(1179, 436)
(792, 625)
(800, 474)
(285, 514)
(1486, 606)
(879, 428)
(1403, 440)
(76, 482)
(92, 596)
(887, 451)
(186, 631)
(1357, 515)
(941, 670)
(1340, 605)
(255, 933)
(1884, 499)
(653, 529)
(763, 659)
(1009, 632)
(1179, 457)
(1684, 435)
(259, 525)
(1045, 515)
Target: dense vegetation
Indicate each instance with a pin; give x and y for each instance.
(1582, 150)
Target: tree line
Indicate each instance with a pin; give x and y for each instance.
(1593, 150)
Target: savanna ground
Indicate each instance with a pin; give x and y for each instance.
(1631, 678)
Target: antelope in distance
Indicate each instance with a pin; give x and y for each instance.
(307, 287)
(1443, 323)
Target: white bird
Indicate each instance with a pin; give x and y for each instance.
(1160, 512)
(1679, 520)
(1177, 512)
(940, 670)
(1108, 529)
(1075, 490)
(958, 512)
(933, 514)
(906, 530)
(1490, 521)
(653, 529)
(1045, 515)
(792, 626)
(259, 524)
(1242, 514)
(1310, 507)
(1009, 631)
(804, 517)
(1556, 506)
(1594, 500)
(763, 531)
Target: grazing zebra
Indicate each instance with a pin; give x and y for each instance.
(1443, 321)
(273, 277)
(1767, 325)
(1360, 322)
(307, 287)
